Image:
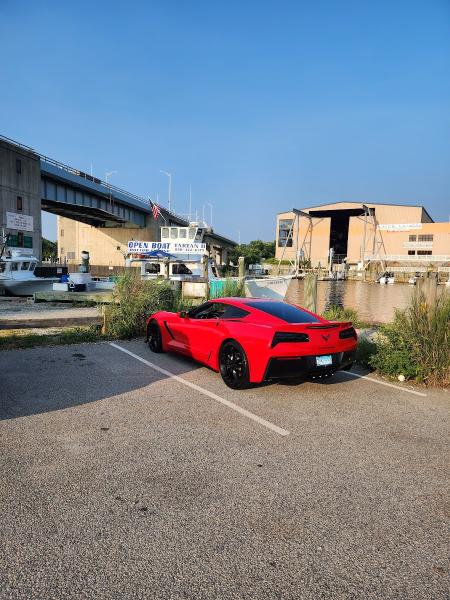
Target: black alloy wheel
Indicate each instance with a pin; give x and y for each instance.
(155, 338)
(233, 366)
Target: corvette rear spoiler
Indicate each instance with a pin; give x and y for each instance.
(330, 325)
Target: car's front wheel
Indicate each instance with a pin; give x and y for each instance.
(233, 365)
(155, 338)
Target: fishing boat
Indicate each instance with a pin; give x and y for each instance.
(182, 259)
(17, 276)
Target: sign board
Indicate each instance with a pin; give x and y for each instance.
(136, 247)
(21, 222)
(399, 226)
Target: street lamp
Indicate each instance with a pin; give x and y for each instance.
(211, 211)
(108, 174)
(169, 175)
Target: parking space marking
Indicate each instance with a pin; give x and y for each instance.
(396, 387)
(206, 392)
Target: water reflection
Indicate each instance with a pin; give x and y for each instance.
(372, 301)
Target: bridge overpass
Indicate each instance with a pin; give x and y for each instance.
(71, 193)
(31, 181)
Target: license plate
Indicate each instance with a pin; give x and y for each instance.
(324, 361)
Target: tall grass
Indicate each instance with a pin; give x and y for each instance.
(417, 343)
(228, 287)
(133, 301)
(338, 313)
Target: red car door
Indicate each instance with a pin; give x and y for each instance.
(205, 330)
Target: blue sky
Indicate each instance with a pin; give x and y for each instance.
(260, 106)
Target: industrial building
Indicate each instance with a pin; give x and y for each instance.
(358, 234)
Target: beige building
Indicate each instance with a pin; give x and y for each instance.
(108, 246)
(361, 233)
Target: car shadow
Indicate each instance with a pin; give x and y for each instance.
(338, 377)
(40, 380)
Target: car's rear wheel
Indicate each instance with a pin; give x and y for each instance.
(233, 365)
(155, 338)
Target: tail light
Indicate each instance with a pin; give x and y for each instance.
(290, 337)
(350, 332)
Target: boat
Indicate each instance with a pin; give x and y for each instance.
(386, 278)
(181, 258)
(17, 276)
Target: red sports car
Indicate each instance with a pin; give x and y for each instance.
(252, 340)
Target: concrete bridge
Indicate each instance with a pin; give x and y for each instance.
(31, 181)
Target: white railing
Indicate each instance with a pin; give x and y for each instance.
(407, 258)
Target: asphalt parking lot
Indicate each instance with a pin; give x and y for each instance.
(125, 480)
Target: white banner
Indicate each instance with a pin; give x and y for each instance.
(16, 221)
(399, 226)
(136, 247)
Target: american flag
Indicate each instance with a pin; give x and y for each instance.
(155, 209)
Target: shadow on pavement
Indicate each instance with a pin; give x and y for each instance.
(40, 380)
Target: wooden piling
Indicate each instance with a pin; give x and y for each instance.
(310, 292)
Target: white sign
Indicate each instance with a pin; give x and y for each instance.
(22, 222)
(136, 247)
(399, 226)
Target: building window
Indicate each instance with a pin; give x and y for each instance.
(71, 256)
(426, 237)
(18, 166)
(424, 252)
(27, 241)
(413, 238)
(19, 204)
(411, 252)
(284, 228)
(62, 235)
(20, 239)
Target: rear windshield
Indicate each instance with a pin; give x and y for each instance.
(283, 310)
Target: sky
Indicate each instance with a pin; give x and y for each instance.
(259, 106)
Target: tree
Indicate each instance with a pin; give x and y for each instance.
(254, 252)
(49, 249)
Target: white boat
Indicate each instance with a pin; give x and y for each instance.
(267, 287)
(17, 276)
(386, 278)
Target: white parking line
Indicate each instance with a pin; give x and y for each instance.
(205, 392)
(396, 387)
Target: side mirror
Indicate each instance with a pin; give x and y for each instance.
(182, 314)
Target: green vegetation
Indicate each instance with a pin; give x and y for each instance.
(49, 249)
(75, 335)
(230, 287)
(134, 300)
(254, 252)
(366, 349)
(338, 313)
(417, 343)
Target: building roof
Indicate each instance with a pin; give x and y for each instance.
(360, 204)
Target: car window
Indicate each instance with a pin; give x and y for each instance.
(209, 310)
(284, 311)
(234, 312)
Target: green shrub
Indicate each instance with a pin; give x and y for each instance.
(338, 313)
(417, 343)
(134, 300)
(365, 350)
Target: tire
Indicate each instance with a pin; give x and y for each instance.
(155, 338)
(233, 366)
